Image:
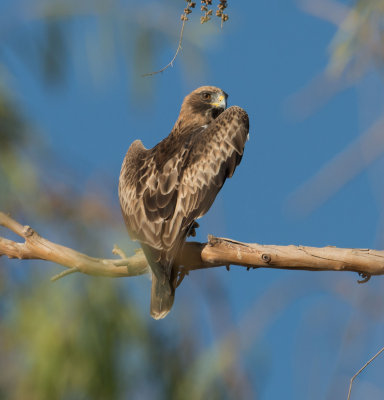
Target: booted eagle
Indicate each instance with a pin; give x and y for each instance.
(163, 190)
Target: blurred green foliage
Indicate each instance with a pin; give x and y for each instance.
(12, 124)
(86, 339)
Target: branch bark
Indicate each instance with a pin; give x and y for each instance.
(194, 255)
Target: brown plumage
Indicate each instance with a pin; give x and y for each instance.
(163, 190)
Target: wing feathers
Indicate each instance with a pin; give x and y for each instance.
(167, 181)
(161, 197)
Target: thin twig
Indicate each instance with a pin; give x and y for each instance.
(64, 273)
(170, 64)
(119, 252)
(365, 278)
(361, 369)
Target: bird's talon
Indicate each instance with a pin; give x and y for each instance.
(192, 229)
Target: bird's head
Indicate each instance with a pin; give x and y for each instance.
(204, 105)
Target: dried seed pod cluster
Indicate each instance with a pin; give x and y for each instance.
(206, 10)
(187, 10)
(220, 10)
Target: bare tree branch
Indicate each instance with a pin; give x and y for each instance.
(194, 255)
(36, 247)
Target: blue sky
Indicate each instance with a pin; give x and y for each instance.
(268, 51)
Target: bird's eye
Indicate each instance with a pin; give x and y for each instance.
(206, 96)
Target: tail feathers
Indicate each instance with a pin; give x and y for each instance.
(163, 292)
(162, 297)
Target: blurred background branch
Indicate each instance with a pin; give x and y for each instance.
(356, 51)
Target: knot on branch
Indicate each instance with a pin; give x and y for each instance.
(213, 240)
(266, 258)
(28, 231)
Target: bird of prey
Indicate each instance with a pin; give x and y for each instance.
(163, 190)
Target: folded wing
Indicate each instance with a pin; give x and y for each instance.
(163, 190)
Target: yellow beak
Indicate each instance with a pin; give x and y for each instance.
(220, 102)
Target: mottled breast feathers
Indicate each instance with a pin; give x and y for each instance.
(164, 189)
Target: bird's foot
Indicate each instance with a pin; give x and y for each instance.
(192, 229)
